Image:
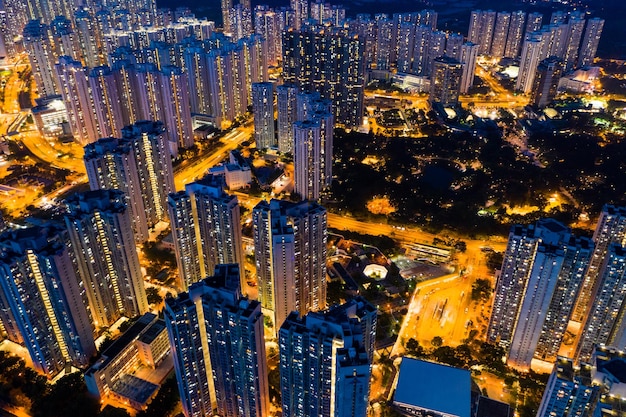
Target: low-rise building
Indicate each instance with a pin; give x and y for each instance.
(145, 343)
(445, 392)
(50, 117)
(237, 173)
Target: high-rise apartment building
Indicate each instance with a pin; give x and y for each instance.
(196, 67)
(589, 389)
(89, 38)
(41, 299)
(445, 83)
(175, 110)
(156, 176)
(385, 45)
(13, 19)
(575, 28)
(605, 322)
(42, 57)
(216, 337)
(404, 39)
(222, 84)
(263, 110)
(221, 78)
(498, 43)
(589, 45)
(106, 102)
(469, 54)
(7, 44)
(454, 43)
(111, 164)
(287, 115)
(531, 56)
(533, 23)
(436, 49)
(227, 5)
(240, 22)
(101, 101)
(267, 24)
(610, 229)
(301, 13)
(481, 29)
(100, 229)
(312, 150)
(514, 37)
(541, 275)
(137, 164)
(511, 284)
(421, 45)
(550, 288)
(64, 40)
(308, 103)
(206, 229)
(546, 82)
(290, 256)
(330, 62)
(570, 391)
(306, 149)
(78, 102)
(324, 364)
(125, 82)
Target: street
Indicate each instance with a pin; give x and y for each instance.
(187, 172)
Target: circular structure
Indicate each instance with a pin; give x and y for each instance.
(377, 272)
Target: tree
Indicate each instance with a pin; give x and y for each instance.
(273, 377)
(165, 401)
(464, 353)
(110, 411)
(491, 357)
(153, 295)
(414, 348)
(412, 345)
(334, 292)
(68, 397)
(460, 246)
(437, 341)
(446, 354)
(481, 290)
(494, 260)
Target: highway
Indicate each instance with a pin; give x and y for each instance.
(65, 156)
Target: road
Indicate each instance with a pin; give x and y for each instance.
(65, 156)
(189, 172)
(14, 85)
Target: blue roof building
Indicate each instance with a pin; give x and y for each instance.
(428, 387)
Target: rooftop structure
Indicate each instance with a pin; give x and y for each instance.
(144, 343)
(446, 391)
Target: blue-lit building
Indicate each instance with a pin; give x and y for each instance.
(101, 235)
(570, 391)
(42, 302)
(433, 389)
(216, 338)
(206, 228)
(290, 256)
(325, 369)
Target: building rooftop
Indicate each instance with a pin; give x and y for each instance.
(123, 341)
(445, 390)
(152, 332)
(135, 389)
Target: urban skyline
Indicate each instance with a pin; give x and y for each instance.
(275, 187)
